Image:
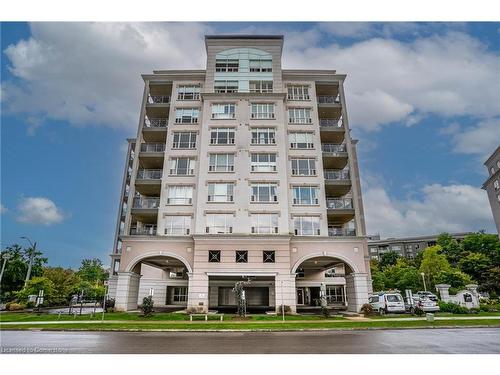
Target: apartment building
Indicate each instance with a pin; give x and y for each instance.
(241, 172)
(492, 185)
(407, 247)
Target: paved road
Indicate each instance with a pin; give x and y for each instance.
(469, 340)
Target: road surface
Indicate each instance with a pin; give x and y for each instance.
(468, 340)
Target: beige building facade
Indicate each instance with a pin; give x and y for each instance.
(492, 185)
(242, 172)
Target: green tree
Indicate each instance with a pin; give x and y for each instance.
(454, 277)
(388, 259)
(64, 281)
(378, 281)
(91, 270)
(33, 286)
(402, 276)
(487, 244)
(450, 247)
(492, 282)
(91, 291)
(433, 262)
(476, 265)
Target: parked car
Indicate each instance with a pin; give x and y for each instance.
(424, 303)
(428, 295)
(387, 302)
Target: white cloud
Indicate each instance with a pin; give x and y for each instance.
(348, 29)
(451, 208)
(481, 139)
(39, 210)
(3, 209)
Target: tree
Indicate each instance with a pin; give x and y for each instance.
(450, 247)
(388, 259)
(492, 282)
(65, 282)
(402, 276)
(476, 265)
(92, 271)
(487, 244)
(433, 262)
(33, 286)
(454, 277)
(147, 306)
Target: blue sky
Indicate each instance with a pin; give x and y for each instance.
(422, 99)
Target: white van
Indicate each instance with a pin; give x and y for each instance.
(387, 302)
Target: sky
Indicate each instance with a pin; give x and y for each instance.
(422, 99)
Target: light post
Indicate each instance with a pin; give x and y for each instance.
(5, 257)
(32, 255)
(282, 304)
(423, 280)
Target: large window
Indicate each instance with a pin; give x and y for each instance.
(306, 195)
(223, 111)
(299, 115)
(225, 86)
(226, 65)
(188, 92)
(182, 166)
(261, 86)
(263, 136)
(177, 225)
(261, 65)
(184, 140)
(180, 194)
(221, 163)
(219, 223)
(335, 294)
(298, 92)
(179, 294)
(262, 111)
(222, 136)
(264, 193)
(220, 192)
(301, 140)
(186, 115)
(264, 223)
(306, 225)
(303, 167)
(263, 162)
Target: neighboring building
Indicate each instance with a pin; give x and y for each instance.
(407, 247)
(492, 185)
(242, 171)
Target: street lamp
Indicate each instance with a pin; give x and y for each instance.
(5, 257)
(423, 280)
(32, 255)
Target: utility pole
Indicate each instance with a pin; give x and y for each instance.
(32, 253)
(5, 257)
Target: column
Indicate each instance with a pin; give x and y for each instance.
(356, 291)
(198, 292)
(285, 291)
(127, 290)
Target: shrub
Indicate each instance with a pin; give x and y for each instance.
(325, 312)
(13, 306)
(367, 309)
(109, 305)
(147, 306)
(452, 308)
(30, 304)
(287, 309)
(418, 311)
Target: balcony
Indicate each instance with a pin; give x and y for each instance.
(334, 155)
(155, 129)
(156, 122)
(340, 210)
(148, 181)
(332, 129)
(337, 182)
(153, 147)
(149, 230)
(146, 203)
(341, 232)
(262, 116)
(339, 204)
(297, 120)
(186, 120)
(149, 174)
(329, 99)
(337, 175)
(223, 116)
(159, 99)
(152, 154)
(145, 209)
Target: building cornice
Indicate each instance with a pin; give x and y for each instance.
(490, 179)
(495, 153)
(313, 75)
(243, 95)
(165, 76)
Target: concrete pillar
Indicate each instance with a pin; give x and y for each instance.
(127, 289)
(198, 291)
(285, 291)
(322, 294)
(356, 291)
(112, 281)
(443, 290)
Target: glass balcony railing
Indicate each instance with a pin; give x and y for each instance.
(158, 99)
(341, 232)
(331, 123)
(149, 174)
(153, 147)
(328, 99)
(338, 175)
(331, 147)
(339, 203)
(147, 203)
(155, 122)
(149, 230)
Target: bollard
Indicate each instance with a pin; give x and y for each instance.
(429, 317)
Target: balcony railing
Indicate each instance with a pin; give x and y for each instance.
(328, 99)
(158, 99)
(179, 201)
(153, 147)
(333, 174)
(262, 116)
(147, 203)
(300, 120)
(339, 203)
(332, 147)
(341, 232)
(149, 174)
(145, 231)
(155, 122)
(331, 123)
(186, 120)
(223, 116)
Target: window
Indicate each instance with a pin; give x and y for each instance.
(220, 192)
(180, 195)
(184, 140)
(299, 115)
(301, 140)
(222, 136)
(299, 92)
(116, 266)
(264, 136)
(303, 167)
(188, 92)
(225, 86)
(261, 65)
(241, 256)
(182, 166)
(306, 225)
(264, 193)
(268, 256)
(264, 223)
(492, 171)
(179, 294)
(214, 256)
(177, 225)
(373, 249)
(221, 163)
(496, 184)
(223, 65)
(223, 111)
(219, 223)
(261, 86)
(305, 195)
(335, 294)
(263, 162)
(186, 115)
(330, 272)
(262, 111)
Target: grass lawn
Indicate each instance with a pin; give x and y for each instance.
(438, 314)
